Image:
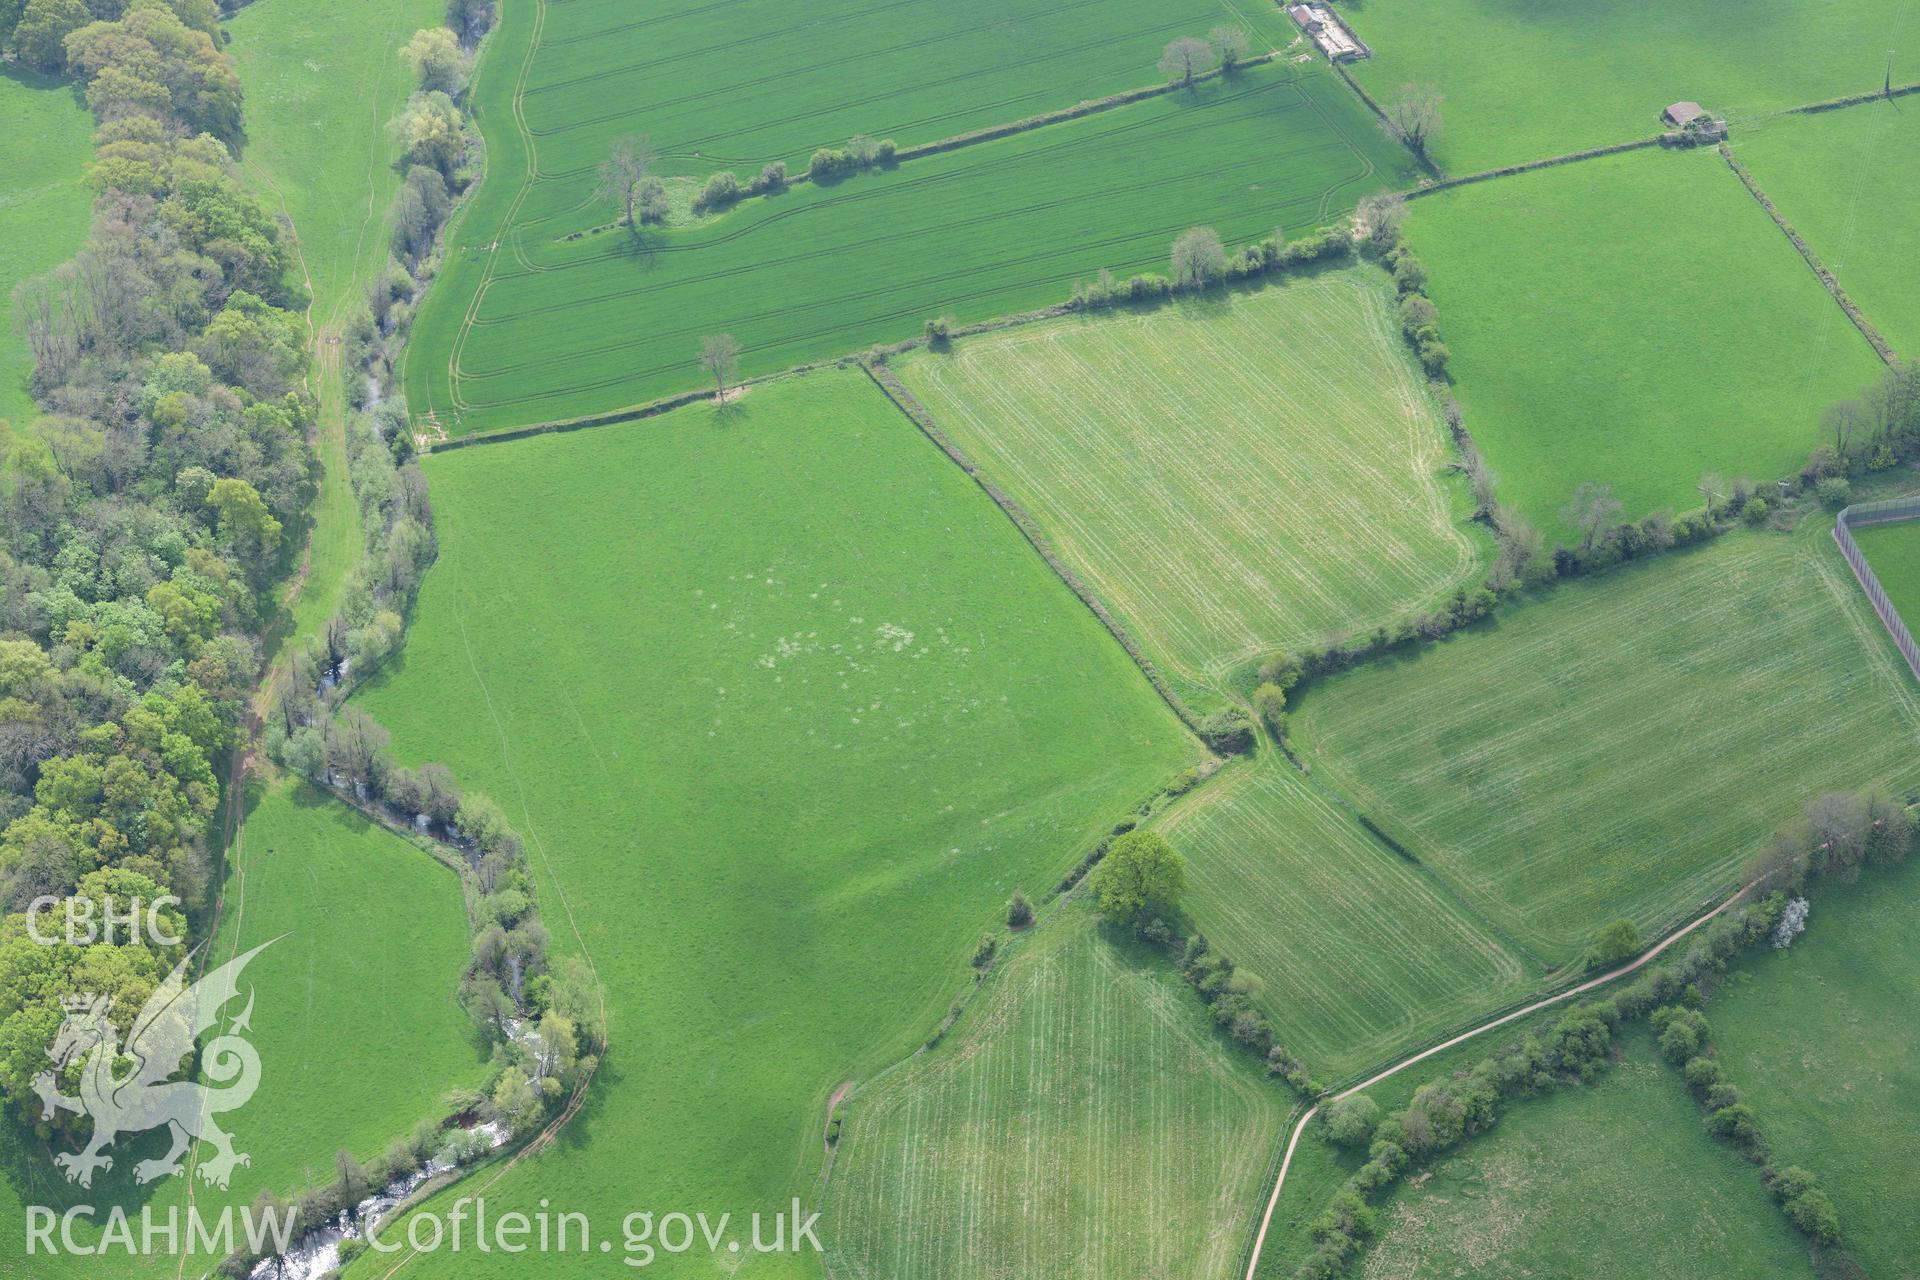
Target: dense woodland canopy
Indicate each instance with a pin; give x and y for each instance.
(145, 513)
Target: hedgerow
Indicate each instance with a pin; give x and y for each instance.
(1838, 835)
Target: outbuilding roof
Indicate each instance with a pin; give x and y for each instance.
(1683, 113)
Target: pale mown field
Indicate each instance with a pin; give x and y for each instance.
(1085, 1119)
(1623, 746)
(1360, 952)
(1233, 476)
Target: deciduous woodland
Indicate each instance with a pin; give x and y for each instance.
(1046, 638)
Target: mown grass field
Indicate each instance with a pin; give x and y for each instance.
(522, 327)
(1232, 476)
(1084, 1119)
(1600, 337)
(1623, 746)
(1526, 80)
(323, 80)
(777, 768)
(1821, 1038)
(45, 147)
(739, 85)
(1613, 1180)
(1360, 953)
(359, 1034)
(1893, 553)
(1844, 179)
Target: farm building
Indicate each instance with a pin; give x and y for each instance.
(1327, 31)
(1682, 114)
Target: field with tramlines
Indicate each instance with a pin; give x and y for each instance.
(1528, 81)
(1623, 746)
(1232, 477)
(776, 773)
(1592, 345)
(42, 221)
(1084, 1119)
(738, 85)
(1845, 179)
(525, 327)
(1358, 951)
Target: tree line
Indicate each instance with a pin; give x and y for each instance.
(1837, 835)
(144, 509)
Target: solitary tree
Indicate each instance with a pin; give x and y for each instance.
(720, 356)
(624, 171)
(1617, 943)
(39, 37)
(1186, 57)
(1352, 1120)
(1229, 45)
(1593, 508)
(437, 59)
(1413, 116)
(1198, 257)
(1141, 875)
(1382, 215)
(1843, 420)
(1019, 911)
(1712, 488)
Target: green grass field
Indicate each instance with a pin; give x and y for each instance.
(777, 768)
(45, 147)
(1084, 1119)
(1613, 1180)
(1232, 476)
(355, 1021)
(1361, 953)
(739, 85)
(1893, 553)
(1319, 1168)
(322, 81)
(374, 941)
(1623, 746)
(1596, 338)
(823, 271)
(1843, 179)
(1528, 79)
(1821, 1039)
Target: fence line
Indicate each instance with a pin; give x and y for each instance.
(1887, 511)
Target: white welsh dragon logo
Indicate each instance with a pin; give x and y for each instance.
(142, 1098)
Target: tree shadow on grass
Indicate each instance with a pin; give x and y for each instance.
(639, 246)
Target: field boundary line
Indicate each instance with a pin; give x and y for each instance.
(1445, 183)
(1886, 511)
(1645, 957)
(1379, 112)
(903, 400)
(992, 132)
(1508, 171)
(1854, 100)
(1880, 345)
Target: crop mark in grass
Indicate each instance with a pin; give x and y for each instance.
(698, 832)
